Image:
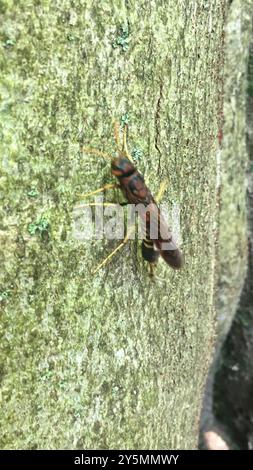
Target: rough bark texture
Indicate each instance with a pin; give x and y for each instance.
(234, 379)
(233, 237)
(112, 360)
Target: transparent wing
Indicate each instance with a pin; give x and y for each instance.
(156, 228)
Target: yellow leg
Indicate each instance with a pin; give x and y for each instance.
(99, 190)
(104, 204)
(97, 152)
(161, 190)
(151, 269)
(109, 257)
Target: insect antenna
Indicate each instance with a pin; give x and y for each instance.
(124, 145)
(116, 135)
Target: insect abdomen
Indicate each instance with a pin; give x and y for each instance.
(148, 252)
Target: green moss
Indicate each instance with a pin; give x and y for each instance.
(33, 193)
(41, 226)
(124, 120)
(233, 237)
(137, 154)
(9, 43)
(4, 295)
(122, 39)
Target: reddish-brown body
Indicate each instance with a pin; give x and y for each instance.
(136, 192)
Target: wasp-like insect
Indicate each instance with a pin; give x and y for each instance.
(133, 186)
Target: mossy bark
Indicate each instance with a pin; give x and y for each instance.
(234, 378)
(112, 360)
(233, 239)
(233, 247)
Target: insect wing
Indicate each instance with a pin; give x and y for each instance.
(160, 232)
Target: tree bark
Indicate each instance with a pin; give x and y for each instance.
(232, 252)
(234, 378)
(111, 360)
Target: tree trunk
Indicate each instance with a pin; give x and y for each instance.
(112, 360)
(234, 378)
(232, 249)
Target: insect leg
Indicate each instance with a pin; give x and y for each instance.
(104, 204)
(97, 152)
(161, 190)
(152, 267)
(109, 257)
(99, 190)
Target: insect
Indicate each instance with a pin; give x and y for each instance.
(136, 192)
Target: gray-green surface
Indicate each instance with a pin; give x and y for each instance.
(111, 360)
